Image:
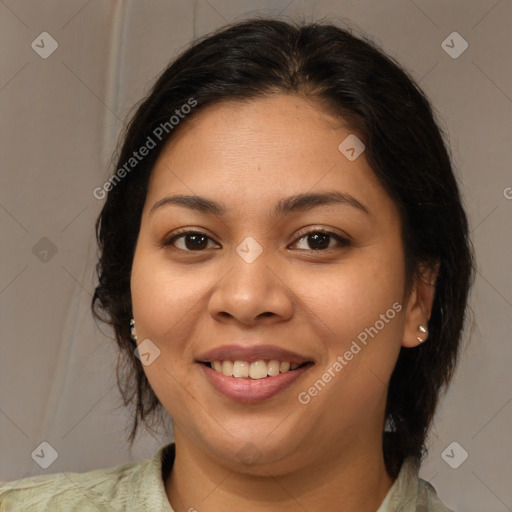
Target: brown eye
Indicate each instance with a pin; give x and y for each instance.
(191, 241)
(320, 240)
(316, 240)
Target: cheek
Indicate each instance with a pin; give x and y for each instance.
(164, 303)
(361, 305)
(163, 299)
(352, 296)
(369, 321)
(365, 320)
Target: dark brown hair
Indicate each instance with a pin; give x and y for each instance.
(347, 76)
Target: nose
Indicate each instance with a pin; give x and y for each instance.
(251, 293)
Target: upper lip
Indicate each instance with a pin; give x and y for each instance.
(251, 354)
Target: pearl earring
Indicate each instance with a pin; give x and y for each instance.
(132, 328)
(421, 329)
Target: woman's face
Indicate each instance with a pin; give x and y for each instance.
(260, 283)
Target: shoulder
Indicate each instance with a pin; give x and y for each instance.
(102, 489)
(427, 497)
(91, 490)
(410, 493)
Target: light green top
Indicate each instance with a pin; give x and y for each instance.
(139, 486)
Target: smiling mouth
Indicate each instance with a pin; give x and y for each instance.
(255, 370)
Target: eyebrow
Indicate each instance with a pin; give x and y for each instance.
(286, 206)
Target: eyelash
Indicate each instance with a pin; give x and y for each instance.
(342, 242)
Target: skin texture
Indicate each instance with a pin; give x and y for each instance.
(315, 456)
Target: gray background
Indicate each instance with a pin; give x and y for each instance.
(60, 118)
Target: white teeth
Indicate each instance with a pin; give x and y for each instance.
(273, 368)
(255, 370)
(241, 369)
(285, 366)
(227, 368)
(258, 370)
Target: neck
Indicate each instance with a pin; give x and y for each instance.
(353, 481)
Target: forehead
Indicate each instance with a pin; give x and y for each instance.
(250, 154)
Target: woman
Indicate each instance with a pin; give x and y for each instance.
(285, 262)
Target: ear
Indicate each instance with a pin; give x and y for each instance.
(419, 306)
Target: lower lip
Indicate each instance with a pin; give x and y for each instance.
(252, 390)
